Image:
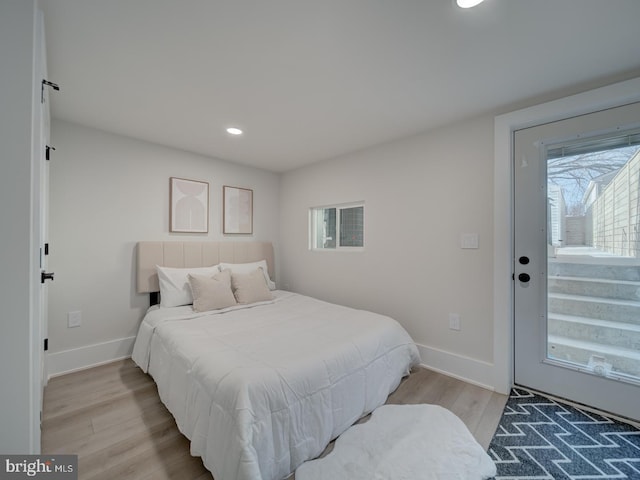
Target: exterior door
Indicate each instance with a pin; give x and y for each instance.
(577, 259)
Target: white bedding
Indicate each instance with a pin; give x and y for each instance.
(260, 389)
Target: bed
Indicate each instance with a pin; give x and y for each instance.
(259, 388)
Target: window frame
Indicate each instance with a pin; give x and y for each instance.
(313, 212)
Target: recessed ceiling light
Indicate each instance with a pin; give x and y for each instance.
(468, 3)
(234, 131)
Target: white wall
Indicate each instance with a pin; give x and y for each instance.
(107, 193)
(18, 429)
(420, 193)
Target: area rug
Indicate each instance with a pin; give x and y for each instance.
(403, 442)
(544, 439)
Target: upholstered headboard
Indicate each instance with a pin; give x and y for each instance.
(196, 254)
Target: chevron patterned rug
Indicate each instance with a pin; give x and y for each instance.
(541, 439)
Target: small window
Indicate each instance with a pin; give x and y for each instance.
(339, 227)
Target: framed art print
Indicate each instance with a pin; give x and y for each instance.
(188, 206)
(237, 210)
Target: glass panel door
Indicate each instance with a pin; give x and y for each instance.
(577, 259)
(593, 259)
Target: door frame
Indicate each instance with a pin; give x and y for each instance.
(504, 126)
(39, 130)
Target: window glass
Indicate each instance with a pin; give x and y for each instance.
(352, 227)
(337, 227)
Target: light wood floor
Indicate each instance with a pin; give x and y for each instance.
(112, 418)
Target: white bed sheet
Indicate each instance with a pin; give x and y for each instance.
(259, 390)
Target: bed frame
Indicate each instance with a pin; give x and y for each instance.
(194, 254)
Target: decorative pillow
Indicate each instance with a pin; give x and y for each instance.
(212, 293)
(250, 267)
(174, 284)
(250, 287)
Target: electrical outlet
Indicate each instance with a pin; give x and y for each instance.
(469, 240)
(74, 319)
(454, 321)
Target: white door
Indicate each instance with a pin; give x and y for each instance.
(44, 237)
(41, 198)
(577, 259)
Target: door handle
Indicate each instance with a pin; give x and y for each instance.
(524, 277)
(46, 276)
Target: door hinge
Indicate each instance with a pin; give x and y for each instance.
(47, 83)
(46, 276)
(47, 152)
(46, 344)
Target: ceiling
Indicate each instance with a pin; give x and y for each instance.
(312, 80)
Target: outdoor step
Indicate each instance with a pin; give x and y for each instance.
(622, 360)
(595, 307)
(611, 271)
(595, 287)
(601, 332)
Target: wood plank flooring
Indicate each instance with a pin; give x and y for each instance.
(112, 418)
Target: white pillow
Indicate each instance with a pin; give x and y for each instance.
(174, 284)
(248, 268)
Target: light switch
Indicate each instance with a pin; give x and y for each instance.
(469, 240)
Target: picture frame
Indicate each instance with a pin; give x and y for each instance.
(237, 210)
(188, 205)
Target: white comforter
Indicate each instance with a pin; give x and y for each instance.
(259, 390)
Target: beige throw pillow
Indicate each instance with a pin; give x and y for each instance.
(211, 293)
(250, 287)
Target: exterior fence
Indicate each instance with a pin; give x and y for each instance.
(613, 220)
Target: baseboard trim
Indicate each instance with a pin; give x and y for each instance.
(75, 359)
(457, 366)
(463, 368)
